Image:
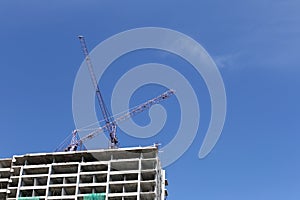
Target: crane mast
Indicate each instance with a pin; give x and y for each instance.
(109, 121)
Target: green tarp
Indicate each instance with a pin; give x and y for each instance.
(94, 196)
(28, 198)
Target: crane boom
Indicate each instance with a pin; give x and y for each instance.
(131, 113)
(109, 122)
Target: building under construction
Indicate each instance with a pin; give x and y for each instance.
(110, 174)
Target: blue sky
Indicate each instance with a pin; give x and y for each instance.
(254, 43)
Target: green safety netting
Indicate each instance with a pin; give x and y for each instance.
(28, 198)
(94, 196)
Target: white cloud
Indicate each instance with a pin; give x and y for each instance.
(226, 61)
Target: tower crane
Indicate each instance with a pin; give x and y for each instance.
(110, 123)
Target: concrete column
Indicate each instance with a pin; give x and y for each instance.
(78, 180)
(107, 181)
(20, 181)
(48, 180)
(139, 178)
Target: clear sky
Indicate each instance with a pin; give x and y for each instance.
(255, 44)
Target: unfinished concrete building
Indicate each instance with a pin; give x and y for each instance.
(111, 174)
